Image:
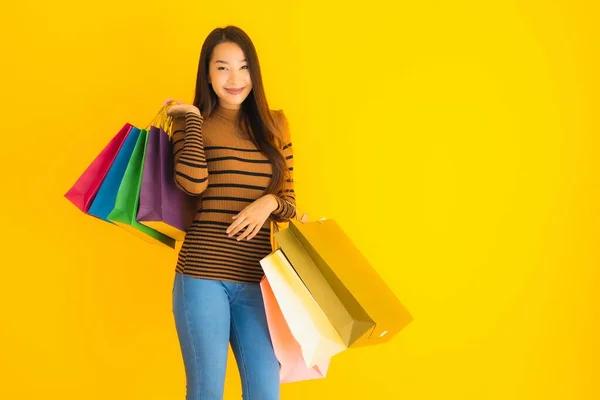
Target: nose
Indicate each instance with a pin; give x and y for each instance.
(233, 77)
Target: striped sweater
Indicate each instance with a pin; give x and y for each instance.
(216, 160)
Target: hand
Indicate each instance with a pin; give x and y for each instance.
(169, 101)
(252, 217)
(179, 109)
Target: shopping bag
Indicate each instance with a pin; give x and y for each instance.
(376, 313)
(163, 206)
(287, 349)
(127, 201)
(349, 318)
(105, 199)
(309, 326)
(82, 193)
(350, 321)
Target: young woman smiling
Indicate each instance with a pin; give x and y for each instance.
(236, 153)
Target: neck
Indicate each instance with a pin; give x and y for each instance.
(230, 114)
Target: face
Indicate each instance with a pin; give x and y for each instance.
(229, 75)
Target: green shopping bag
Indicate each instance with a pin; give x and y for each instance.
(126, 206)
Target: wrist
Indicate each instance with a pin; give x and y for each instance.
(274, 204)
(192, 109)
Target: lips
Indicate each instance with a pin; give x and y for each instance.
(234, 91)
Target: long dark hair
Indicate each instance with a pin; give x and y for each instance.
(255, 115)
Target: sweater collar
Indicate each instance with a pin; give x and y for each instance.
(227, 113)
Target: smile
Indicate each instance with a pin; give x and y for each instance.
(234, 91)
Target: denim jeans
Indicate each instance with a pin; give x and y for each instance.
(211, 314)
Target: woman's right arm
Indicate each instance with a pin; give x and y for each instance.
(191, 170)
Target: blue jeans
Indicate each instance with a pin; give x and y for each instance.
(209, 314)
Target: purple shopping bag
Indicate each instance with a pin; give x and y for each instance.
(163, 206)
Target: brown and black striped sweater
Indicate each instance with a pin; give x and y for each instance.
(216, 160)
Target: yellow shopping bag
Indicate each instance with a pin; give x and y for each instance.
(349, 318)
(318, 339)
(364, 309)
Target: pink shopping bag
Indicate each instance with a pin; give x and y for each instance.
(84, 190)
(287, 349)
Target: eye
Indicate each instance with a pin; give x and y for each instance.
(245, 66)
(220, 68)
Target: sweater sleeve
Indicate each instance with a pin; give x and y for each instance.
(191, 170)
(286, 197)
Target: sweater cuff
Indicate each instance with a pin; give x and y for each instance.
(192, 116)
(284, 211)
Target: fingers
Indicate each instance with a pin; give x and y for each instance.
(176, 110)
(254, 232)
(251, 228)
(250, 219)
(237, 226)
(171, 102)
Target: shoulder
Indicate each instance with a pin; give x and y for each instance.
(281, 124)
(280, 118)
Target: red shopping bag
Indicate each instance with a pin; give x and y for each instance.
(82, 193)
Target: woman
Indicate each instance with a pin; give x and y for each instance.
(233, 151)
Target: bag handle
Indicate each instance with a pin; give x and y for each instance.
(158, 117)
(277, 226)
(163, 120)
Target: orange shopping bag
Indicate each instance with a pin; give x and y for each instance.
(287, 349)
(309, 325)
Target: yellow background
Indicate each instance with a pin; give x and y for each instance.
(455, 141)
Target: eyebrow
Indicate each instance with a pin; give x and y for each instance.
(225, 62)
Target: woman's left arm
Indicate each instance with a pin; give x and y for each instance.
(286, 197)
(281, 207)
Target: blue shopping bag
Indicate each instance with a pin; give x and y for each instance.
(105, 199)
